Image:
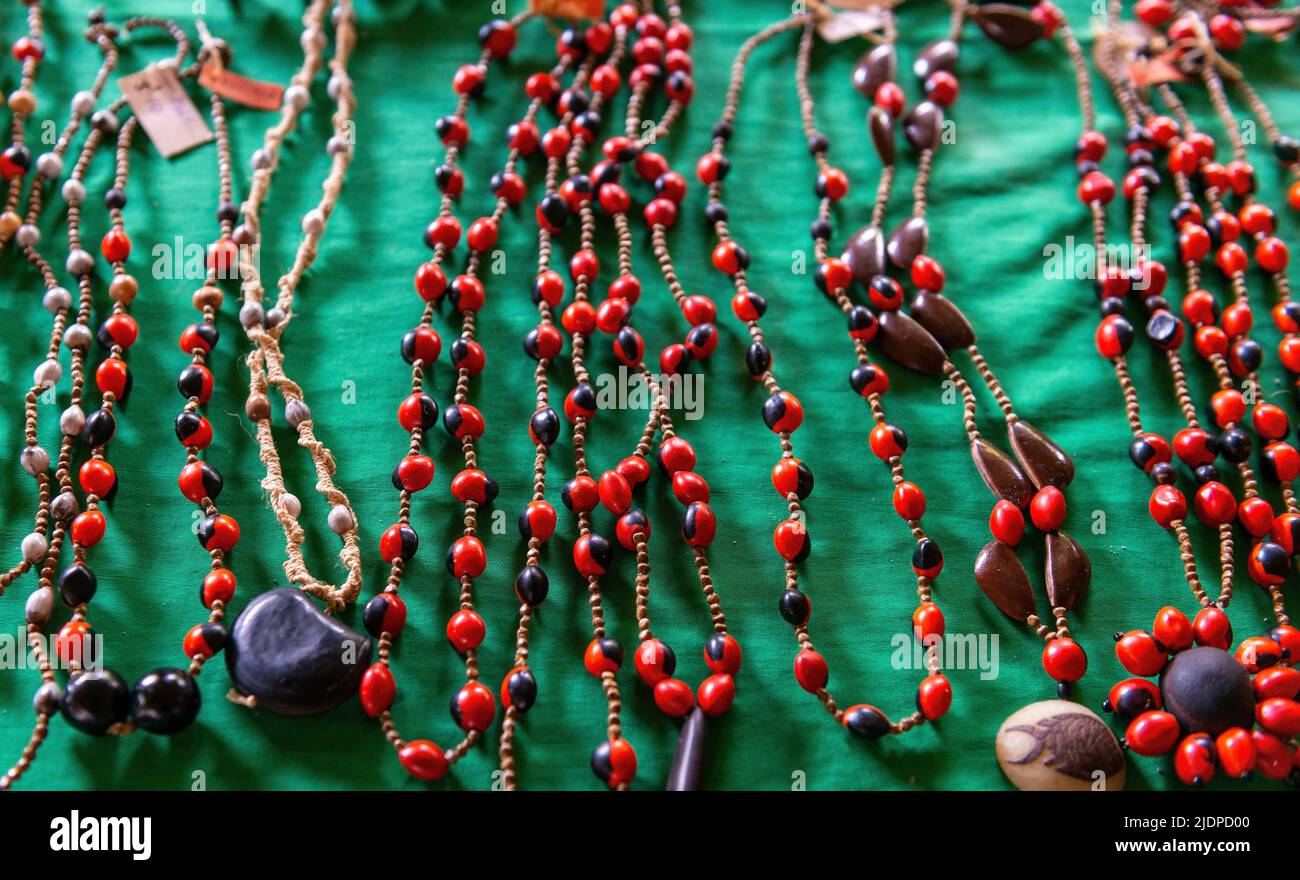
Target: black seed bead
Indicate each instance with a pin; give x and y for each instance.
(818, 143)
(1287, 149)
(114, 199)
(228, 211)
(1141, 158)
(1164, 474)
(77, 585)
(1207, 473)
(1181, 212)
(1249, 353)
(758, 359)
(723, 131)
(1112, 305)
(95, 700)
(99, 428)
(165, 701)
(555, 209)
(795, 607)
(716, 212)
(821, 229)
(1234, 445)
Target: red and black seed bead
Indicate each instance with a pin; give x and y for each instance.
(467, 293)
(792, 540)
(467, 355)
(592, 554)
(866, 722)
(466, 557)
(543, 342)
(629, 347)
(603, 655)
(674, 359)
(722, 654)
(519, 690)
(795, 607)
(418, 410)
(654, 661)
(112, 376)
(631, 524)
(1114, 336)
(192, 430)
(463, 420)
(413, 473)
(580, 402)
(758, 359)
(204, 640)
(782, 412)
(702, 340)
(472, 484)
(888, 441)
(1149, 450)
(422, 344)
(532, 585)
(748, 306)
(699, 526)
(1165, 330)
(544, 426)
(1131, 697)
(869, 379)
(199, 480)
(120, 330)
(218, 532)
(862, 323)
(1269, 564)
(200, 337)
(886, 293)
(398, 542)
(384, 613)
(473, 707)
(537, 520)
(580, 494)
(790, 475)
(614, 762)
(927, 558)
(195, 381)
(218, 586)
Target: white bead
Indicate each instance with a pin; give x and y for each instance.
(297, 97)
(65, 507)
(72, 420)
(57, 299)
(27, 235)
(261, 159)
(83, 103)
(77, 336)
(312, 38)
(34, 549)
(80, 262)
(291, 504)
(313, 222)
(34, 459)
(340, 519)
(49, 165)
(74, 192)
(47, 374)
(337, 83)
(41, 602)
(337, 146)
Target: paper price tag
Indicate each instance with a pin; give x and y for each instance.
(850, 23)
(255, 93)
(568, 8)
(165, 111)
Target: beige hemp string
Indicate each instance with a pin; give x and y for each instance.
(266, 360)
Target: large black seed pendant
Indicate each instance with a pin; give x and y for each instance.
(294, 659)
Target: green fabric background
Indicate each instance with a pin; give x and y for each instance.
(1000, 193)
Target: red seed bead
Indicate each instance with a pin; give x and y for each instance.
(1183, 158)
(1215, 505)
(70, 644)
(676, 454)
(674, 697)
(1286, 530)
(423, 760)
(1231, 258)
(1167, 505)
(942, 88)
(615, 493)
(1241, 177)
(1154, 12)
(909, 501)
(473, 707)
(1193, 243)
(711, 168)
(218, 586)
(1194, 759)
(1007, 523)
(482, 235)
(934, 697)
(1131, 697)
(1114, 336)
(726, 257)
(836, 274)
(1192, 445)
(1229, 34)
(1140, 653)
(584, 264)
(1272, 756)
(377, 690)
(88, 528)
(1047, 510)
(1210, 340)
(1096, 187)
(1212, 629)
(1288, 351)
(1163, 129)
(1279, 716)
(1288, 637)
(115, 245)
(1258, 653)
(1203, 144)
(97, 477)
(654, 662)
(1293, 199)
(1272, 254)
(1256, 516)
(716, 694)
(887, 441)
(927, 622)
(468, 79)
(1237, 320)
(1270, 421)
(1064, 660)
(832, 184)
(579, 317)
(1229, 406)
(27, 48)
(1257, 218)
(445, 231)
(890, 98)
(635, 469)
(111, 376)
(1277, 681)
(722, 654)
(414, 473)
(430, 281)
(1091, 146)
(689, 487)
(810, 670)
(1152, 733)
(466, 630)
(612, 315)
(660, 212)
(1172, 629)
(927, 274)
(791, 540)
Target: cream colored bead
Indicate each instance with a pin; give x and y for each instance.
(9, 223)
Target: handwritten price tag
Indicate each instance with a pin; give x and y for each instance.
(254, 93)
(164, 109)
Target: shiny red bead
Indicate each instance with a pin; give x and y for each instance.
(689, 487)
(1047, 510)
(466, 630)
(1064, 660)
(1211, 628)
(810, 670)
(423, 760)
(1256, 516)
(414, 473)
(88, 528)
(1007, 523)
(1230, 258)
(1167, 505)
(1172, 629)
(1272, 254)
(482, 234)
(1215, 504)
(97, 477)
(1096, 187)
(676, 454)
(1279, 716)
(791, 540)
(927, 622)
(473, 707)
(927, 274)
(674, 697)
(934, 697)
(909, 501)
(1194, 760)
(218, 586)
(716, 694)
(378, 689)
(1152, 733)
(1140, 653)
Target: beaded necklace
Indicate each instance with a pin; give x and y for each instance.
(17, 159)
(316, 677)
(659, 45)
(97, 700)
(473, 706)
(1207, 703)
(58, 301)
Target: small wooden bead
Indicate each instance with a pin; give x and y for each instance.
(208, 296)
(257, 407)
